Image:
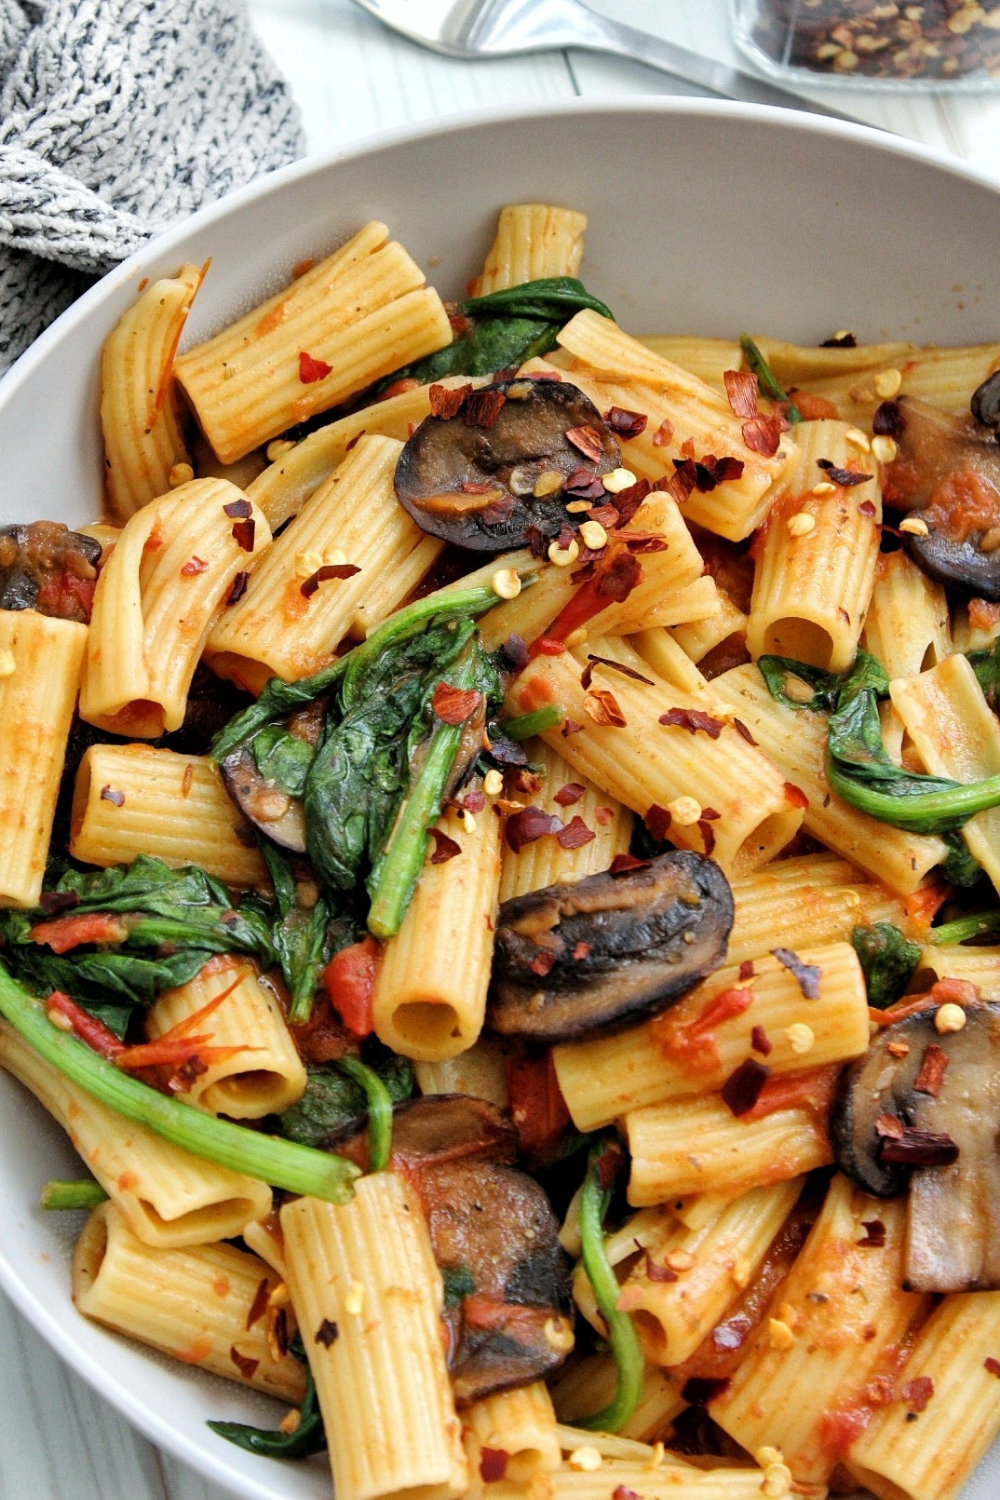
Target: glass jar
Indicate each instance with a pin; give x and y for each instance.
(929, 44)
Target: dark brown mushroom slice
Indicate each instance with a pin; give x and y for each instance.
(922, 1108)
(592, 958)
(264, 803)
(985, 404)
(47, 567)
(434, 1130)
(471, 478)
(946, 473)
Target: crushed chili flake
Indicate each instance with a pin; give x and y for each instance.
(663, 434)
(795, 795)
(623, 863)
(742, 1088)
(919, 1148)
(546, 646)
(542, 963)
(622, 1492)
(455, 705)
(626, 423)
(603, 708)
(238, 589)
(844, 477)
(898, 1049)
(193, 566)
(658, 821)
(746, 970)
(992, 1365)
(473, 801)
(708, 837)
(492, 1464)
(866, 508)
(311, 370)
(526, 781)
(258, 1306)
(932, 1070)
(243, 534)
(616, 666)
(622, 574)
(889, 420)
(483, 407)
(583, 484)
(759, 1039)
(890, 1126)
(580, 952)
(808, 975)
(575, 834)
(655, 1272)
(324, 574)
(354, 441)
(741, 390)
(327, 1333)
(570, 793)
(604, 816)
(627, 502)
(693, 719)
(588, 440)
(874, 1237)
(762, 435)
(238, 510)
(681, 484)
(447, 403)
(916, 1393)
(743, 732)
(445, 848)
(609, 516)
(570, 726)
(113, 795)
(246, 1366)
(529, 824)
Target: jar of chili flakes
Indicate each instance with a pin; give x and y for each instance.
(934, 44)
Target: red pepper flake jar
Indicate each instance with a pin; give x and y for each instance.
(929, 44)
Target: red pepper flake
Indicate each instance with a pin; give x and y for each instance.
(663, 434)
(609, 516)
(311, 370)
(616, 666)
(623, 863)
(898, 1049)
(447, 403)
(889, 420)
(932, 1071)
(866, 508)
(570, 793)
(324, 574)
(537, 542)
(455, 705)
(575, 834)
(238, 510)
(354, 441)
(741, 389)
(992, 1365)
(239, 588)
(746, 970)
(916, 1393)
(570, 726)
(743, 731)
(473, 801)
(656, 1272)
(526, 781)
(483, 407)
(327, 1333)
(528, 825)
(193, 566)
(742, 1089)
(874, 1237)
(622, 1492)
(708, 836)
(604, 816)
(759, 1039)
(243, 534)
(580, 952)
(445, 848)
(542, 962)
(246, 1366)
(692, 719)
(795, 795)
(762, 435)
(890, 1126)
(681, 484)
(545, 646)
(844, 477)
(620, 577)
(603, 708)
(584, 484)
(113, 795)
(258, 1306)
(919, 1148)
(808, 975)
(627, 502)
(626, 423)
(492, 1464)
(588, 440)
(658, 821)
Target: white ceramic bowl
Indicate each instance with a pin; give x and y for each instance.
(704, 218)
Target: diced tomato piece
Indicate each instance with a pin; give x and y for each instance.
(63, 933)
(537, 1106)
(349, 981)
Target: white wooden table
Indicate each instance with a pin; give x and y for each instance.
(58, 1440)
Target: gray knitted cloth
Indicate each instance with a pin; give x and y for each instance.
(117, 118)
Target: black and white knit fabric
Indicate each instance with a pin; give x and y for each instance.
(118, 118)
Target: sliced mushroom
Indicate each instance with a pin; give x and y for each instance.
(947, 474)
(271, 809)
(434, 1130)
(47, 567)
(923, 1108)
(589, 959)
(484, 477)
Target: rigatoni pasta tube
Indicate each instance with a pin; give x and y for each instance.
(140, 421)
(208, 1305)
(950, 1381)
(520, 1423)
(368, 1298)
(978, 966)
(139, 799)
(839, 1321)
(301, 598)
(906, 627)
(167, 1196)
(231, 1004)
(667, 1481)
(545, 861)
(171, 571)
(430, 991)
(645, 763)
(356, 316)
(40, 661)
(695, 1046)
(795, 740)
(589, 1384)
(533, 240)
(814, 574)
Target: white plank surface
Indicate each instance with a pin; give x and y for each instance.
(58, 1440)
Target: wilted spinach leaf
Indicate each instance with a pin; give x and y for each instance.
(888, 960)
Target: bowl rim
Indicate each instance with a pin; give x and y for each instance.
(128, 1402)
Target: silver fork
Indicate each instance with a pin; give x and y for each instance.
(502, 28)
